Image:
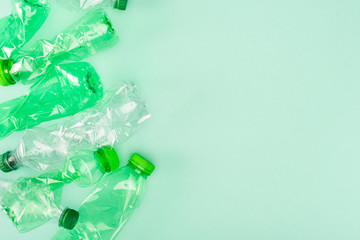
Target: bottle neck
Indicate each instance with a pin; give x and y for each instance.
(137, 170)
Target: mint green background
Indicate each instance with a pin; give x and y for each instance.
(255, 129)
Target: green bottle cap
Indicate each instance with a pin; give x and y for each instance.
(5, 77)
(4, 166)
(120, 4)
(142, 164)
(69, 218)
(108, 158)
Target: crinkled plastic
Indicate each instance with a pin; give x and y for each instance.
(86, 37)
(109, 207)
(88, 4)
(67, 89)
(32, 202)
(83, 169)
(18, 28)
(86, 167)
(72, 144)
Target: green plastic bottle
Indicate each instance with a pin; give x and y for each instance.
(32, 202)
(109, 207)
(89, 35)
(18, 28)
(67, 89)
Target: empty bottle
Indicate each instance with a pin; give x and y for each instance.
(32, 202)
(87, 4)
(67, 89)
(18, 28)
(113, 120)
(109, 207)
(91, 34)
(83, 167)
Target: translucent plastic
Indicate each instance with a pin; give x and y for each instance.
(88, 4)
(86, 37)
(67, 89)
(109, 207)
(18, 28)
(32, 202)
(116, 118)
(83, 168)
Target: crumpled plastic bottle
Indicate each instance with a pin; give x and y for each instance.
(67, 89)
(88, 4)
(109, 207)
(83, 167)
(86, 37)
(113, 120)
(32, 202)
(18, 28)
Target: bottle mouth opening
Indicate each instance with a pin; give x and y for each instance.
(109, 24)
(120, 4)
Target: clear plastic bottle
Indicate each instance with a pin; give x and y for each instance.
(88, 4)
(67, 89)
(86, 37)
(32, 202)
(83, 167)
(109, 207)
(116, 118)
(18, 28)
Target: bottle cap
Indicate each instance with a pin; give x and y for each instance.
(4, 166)
(69, 218)
(5, 77)
(108, 158)
(142, 164)
(120, 4)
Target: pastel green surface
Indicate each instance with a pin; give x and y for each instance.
(255, 118)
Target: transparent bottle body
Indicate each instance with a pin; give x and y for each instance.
(109, 207)
(86, 37)
(18, 28)
(114, 120)
(32, 202)
(83, 168)
(66, 90)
